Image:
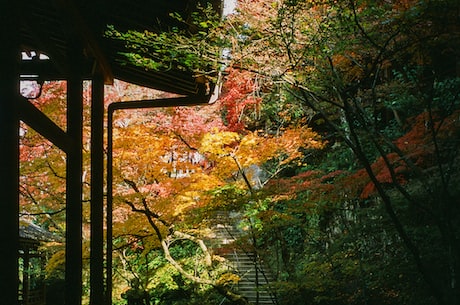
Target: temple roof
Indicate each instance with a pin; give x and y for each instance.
(53, 27)
(33, 233)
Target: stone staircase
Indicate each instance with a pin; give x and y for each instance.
(255, 279)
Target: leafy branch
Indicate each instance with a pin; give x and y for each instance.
(173, 235)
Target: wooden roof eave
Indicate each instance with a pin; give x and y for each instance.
(80, 26)
(66, 26)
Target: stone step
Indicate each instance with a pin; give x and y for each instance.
(245, 266)
(254, 281)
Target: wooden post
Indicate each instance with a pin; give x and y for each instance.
(9, 152)
(73, 263)
(97, 195)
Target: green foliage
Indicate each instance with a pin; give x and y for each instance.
(163, 283)
(342, 252)
(330, 245)
(446, 95)
(184, 47)
(227, 197)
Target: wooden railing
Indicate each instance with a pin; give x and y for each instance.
(34, 297)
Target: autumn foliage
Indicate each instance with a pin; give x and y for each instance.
(334, 141)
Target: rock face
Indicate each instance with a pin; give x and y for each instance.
(255, 279)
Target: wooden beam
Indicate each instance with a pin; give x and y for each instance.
(190, 100)
(46, 70)
(139, 104)
(97, 192)
(36, 119)
(9, 152)
(87, 36)
(74, 187)
(46, 45)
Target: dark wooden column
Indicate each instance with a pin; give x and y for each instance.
(97, 195)
(73, 272)
(9, 153)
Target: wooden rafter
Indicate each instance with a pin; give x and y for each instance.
(88, 38)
